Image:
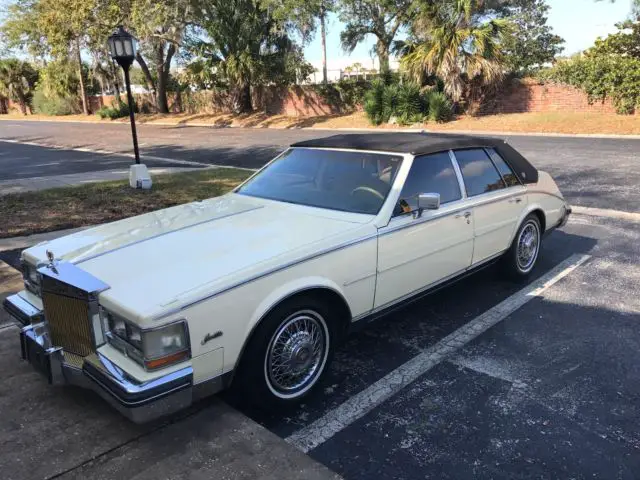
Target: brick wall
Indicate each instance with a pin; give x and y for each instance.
(528, 96)
(516, 96)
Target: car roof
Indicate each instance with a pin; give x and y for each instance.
(421, 143)
(414, 143)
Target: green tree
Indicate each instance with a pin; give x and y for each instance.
(531, 42)
(160, 26)
(60, 29)
(380, 18)
(17, 82)
(246, 46)
(305, 16)
(457, 42)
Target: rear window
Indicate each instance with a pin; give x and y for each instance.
(479, 173)
(505, 170)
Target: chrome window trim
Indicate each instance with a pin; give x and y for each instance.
(456, 167)
(264, 274)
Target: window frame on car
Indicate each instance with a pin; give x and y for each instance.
(464, 181)
(456, 170)
(488, 151)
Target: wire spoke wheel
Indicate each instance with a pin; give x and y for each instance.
(528, 246)
(296, 354)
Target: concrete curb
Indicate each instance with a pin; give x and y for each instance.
(364, 129)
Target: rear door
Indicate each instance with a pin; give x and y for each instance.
(415, 253)
(497, 198)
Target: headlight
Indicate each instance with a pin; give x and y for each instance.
(153, 348)
(32, 278)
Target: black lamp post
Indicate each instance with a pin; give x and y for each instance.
(122, 47)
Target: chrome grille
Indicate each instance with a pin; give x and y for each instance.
(68, 321)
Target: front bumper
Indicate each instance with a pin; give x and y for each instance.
(138, 401)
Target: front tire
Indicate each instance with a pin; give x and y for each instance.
(522, 256)
(288, 353)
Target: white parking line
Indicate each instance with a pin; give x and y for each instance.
(360, 404)
(128, 155)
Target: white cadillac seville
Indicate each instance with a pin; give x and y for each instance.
(256, 288)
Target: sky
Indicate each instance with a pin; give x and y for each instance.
(579, 22)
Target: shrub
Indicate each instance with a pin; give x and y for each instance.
(118, 110)
(54, 105)
(410, 108)
(390, 101)
(600, 77)
(373, 102)
(440, 108)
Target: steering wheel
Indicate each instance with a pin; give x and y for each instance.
(370, 190)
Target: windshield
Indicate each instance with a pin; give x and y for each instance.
(353, 181)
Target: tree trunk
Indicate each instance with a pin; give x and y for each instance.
(163, 65)
(151, 86)
(242, 99)
(116, 85)
(323, 35)
(83, 91)
(382, 49)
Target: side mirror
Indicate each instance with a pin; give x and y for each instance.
(428, 201)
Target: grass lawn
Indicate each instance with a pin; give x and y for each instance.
(93, 203)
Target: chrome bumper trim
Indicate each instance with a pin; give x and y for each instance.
(21, 310)
(138, 401)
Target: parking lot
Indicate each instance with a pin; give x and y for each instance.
(485, 379)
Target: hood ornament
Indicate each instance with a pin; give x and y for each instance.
(52, 260)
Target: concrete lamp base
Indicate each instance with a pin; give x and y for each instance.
(139, 177)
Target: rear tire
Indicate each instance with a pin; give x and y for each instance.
(522, 256)
(288, 353)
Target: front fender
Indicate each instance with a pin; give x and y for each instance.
(288, 290)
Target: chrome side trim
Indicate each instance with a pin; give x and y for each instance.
(470, 204)
(264, 274)
(142, 240)
(425, 288)
(559, 197)
(359, 279)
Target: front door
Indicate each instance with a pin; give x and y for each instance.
(416, 253)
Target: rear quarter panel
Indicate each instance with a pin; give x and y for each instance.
(546, 196)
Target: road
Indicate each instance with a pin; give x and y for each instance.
(591, 172)
(549, 390)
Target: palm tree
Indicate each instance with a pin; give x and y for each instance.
(17, 82)
(452, 41)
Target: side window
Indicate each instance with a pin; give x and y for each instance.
(505, 170)
(430, 174)
(479, 173)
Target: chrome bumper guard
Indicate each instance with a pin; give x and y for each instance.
(138, 401)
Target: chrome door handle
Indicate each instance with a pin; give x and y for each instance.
(465, 215)
(515, 200)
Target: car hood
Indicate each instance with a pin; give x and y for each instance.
(161, 259)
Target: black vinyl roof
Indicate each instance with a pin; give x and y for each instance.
(425, 143)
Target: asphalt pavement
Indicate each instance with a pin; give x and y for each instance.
(592, 172)
(548, 388)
